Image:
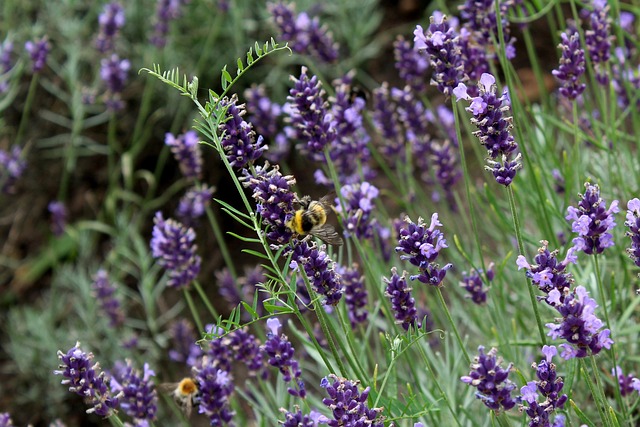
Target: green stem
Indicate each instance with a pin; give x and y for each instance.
(205, 300)
(27, 108)
(194, 311)
(222, 244)
(453, 325)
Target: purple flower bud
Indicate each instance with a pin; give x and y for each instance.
(411, 65)
(305, 35)
(355, 294)
(633, 222)
(38, 51)
(320, 271)
(625, 382)
(279, 353)
(111, 20)
(104, 292)
(6, 421)
(186, 151)
(358, 199)
(215, 388)
(348, 406)
(86, 379)
(113, 72)
(402, 303)
(479, 16)
(193, 204)
(166, 11)
(139, 397)
(592, 221)
(184, 340)
(174, 245)
(571, 65)
(472, 283)
(12, 166)
(263, 113)
(6, 63)
(297, 419)
(387, 123)
(491, 380)
(59, 216)
(238, 137)
(598, 39)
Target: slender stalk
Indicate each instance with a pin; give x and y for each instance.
(193, 309)
(205, 300)
(453, 325)
(27, 108)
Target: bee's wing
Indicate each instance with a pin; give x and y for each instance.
(327, 234)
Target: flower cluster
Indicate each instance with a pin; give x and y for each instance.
(598, 39)
(547, 273)
(472, 283)
(184, 348)
(571, 66)
(414, 118)
(193, 204)
(491, 380)
(186, 151)
(348, 406)
(445, 160)
(263, 113)
(59, 216)
(85, 379)
(278, 351)
(6, 421)
(480, 19)
(105, 294)
(494, 129)
(308, 114)
(592, 221)
(166, 11)
(6, 64)
(274, 198)
(38, 51)
(411, 65)
(578, 325)
(225, 351)
(633, 222)
(356, 215)
(111, 20)
(402, 303)
(320, 270)
(238, 137)
(387, 123)
(139, 397)
(355, 294)
(627, 383)
(298, 419)
(421, 246)
(305, 35)
(113, 72)
(441, 43)
(215, 388)
(549, 386)
(12, 166)
(174, 244)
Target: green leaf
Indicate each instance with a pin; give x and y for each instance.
(232, 209)
(243, 238)
(255, 253)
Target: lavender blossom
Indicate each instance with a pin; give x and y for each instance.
(86, 380)
(441, 43)
(320, 270)
(491, 380)
(547, 273)
(274, 198)
(414, 117)
(445, 160)
(578, 325)
(215, 387)
(358, 206)
(549, 386)
(139, 397)
(174, 245)
(355, 294)
(348, 406)
(304, 35)
(186, 151)
(480, 18)
(308, 114)
(226, 350)
(193, 204)
(238, 137)
(263, 113)
(411, 65)
(633, 222)
(5, 420)
(12, 166)
(113, 72)
(279, 353)
(111, 20)
(625, 382)
(228, 287)
(421, 246)
(6, 64)
(472, 283)
(298, 419)
(387, 123)
(38, 50)
(571, 66)
(475, 57)
(494, 130)
(184, 348)
(166, 11)
(402, 303)
(592, 221)
(598, 39)
(59, 216)
(104, 292)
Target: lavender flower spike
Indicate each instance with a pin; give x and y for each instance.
(215, 387)
(571, 66)
(12, 166)
(592, 221)
(110, 20)
(320, 270)
(105, 292)
(491, 380)
(85, 379)
(279, 352)
(5, 420)
(174, 245)
(186, 151)
(494, 129)
(38, 51)
(402, 303)
(139, 397)
(598, 39)
(348, 405)
(238, 137)
(633, 222)
(625, 382)
(59, 216)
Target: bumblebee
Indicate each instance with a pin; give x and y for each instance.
(310, 219)
(185, 393)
